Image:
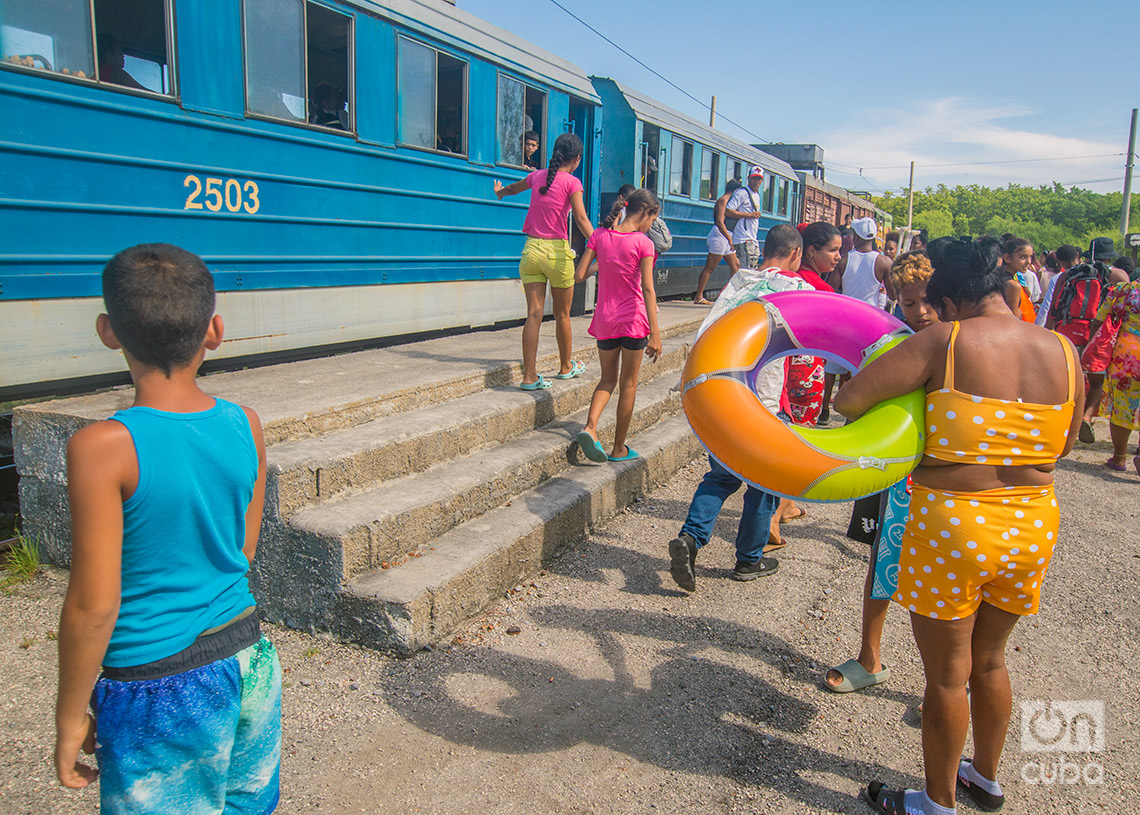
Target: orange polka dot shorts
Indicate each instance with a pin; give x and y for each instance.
(962, 549)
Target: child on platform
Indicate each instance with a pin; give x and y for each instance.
(166, 501)
(909, 273)
(625, 315)
(547, 257)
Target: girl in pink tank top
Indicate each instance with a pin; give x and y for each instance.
(547, 256)
(625, 316)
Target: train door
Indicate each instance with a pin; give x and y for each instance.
(650, 157)
(580, 122)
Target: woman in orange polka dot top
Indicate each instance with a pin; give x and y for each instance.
(1004, 400)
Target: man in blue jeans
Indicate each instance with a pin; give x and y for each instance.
(782, 250)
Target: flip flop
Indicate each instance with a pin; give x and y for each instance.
(630, 455)
(702, 302)
(538, 385)
(1112, 465)
(855, 677)
(984, 800)
(591, 448)
(774, 543)
(802, 514)
(576, 368)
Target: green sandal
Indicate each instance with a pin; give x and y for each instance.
(855, 677)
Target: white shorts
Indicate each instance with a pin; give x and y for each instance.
(717, 243)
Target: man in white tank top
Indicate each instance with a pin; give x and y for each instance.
(863, 271)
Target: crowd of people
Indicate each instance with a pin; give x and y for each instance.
(963, 544)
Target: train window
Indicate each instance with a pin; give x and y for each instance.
(650, 155)
(131, 36)
(710, 170)
(275, 58)
(433, 98)
(131, 44)
(785, 199)
(521, 121)
(770, 195)
(51, 35)
(738, 171)
(680, 167)
(298, 62)
(328, 42)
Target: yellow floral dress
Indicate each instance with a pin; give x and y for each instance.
(1122, 380)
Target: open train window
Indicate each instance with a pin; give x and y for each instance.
(737, 171)
(710, 173)
(785, 198)
(650, 155)
(680, 167)
(433, 99)
(298, 63)
(521, 119)
(128, 47)
(770, 195)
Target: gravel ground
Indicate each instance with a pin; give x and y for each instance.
(621, 694)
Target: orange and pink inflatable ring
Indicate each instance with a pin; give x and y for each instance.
(806, 463)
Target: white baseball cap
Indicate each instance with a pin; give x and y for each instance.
(756, 170)
(864, 228)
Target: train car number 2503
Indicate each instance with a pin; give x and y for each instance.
(221, 192)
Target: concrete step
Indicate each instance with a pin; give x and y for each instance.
(397, 518)
(321, 468)
(404, 608)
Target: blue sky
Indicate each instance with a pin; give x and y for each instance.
(879, 84)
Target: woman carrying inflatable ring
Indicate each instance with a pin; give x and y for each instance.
(1003, 404)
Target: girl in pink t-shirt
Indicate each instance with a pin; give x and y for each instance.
(547, 256)
(625, 315)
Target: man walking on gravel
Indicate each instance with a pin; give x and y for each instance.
(782, 251)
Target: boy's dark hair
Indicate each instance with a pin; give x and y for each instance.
(624, 191)
(732, 186)
(530, 135)
(1068, 254)
(1125, 264)
(160, 300)
(782, 240)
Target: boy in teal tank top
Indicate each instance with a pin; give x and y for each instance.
(159, 632)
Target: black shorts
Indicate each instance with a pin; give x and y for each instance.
(628, 343)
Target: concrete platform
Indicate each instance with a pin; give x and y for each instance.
(408, 486)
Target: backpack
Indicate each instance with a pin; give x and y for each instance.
(660, 235)
(730, 223)
(1080, 297)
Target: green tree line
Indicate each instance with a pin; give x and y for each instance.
(1047, 215)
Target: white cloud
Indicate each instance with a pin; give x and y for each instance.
(954, 130)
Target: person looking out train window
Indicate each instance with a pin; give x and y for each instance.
(111, 61)
(324, 112)
(530, 150)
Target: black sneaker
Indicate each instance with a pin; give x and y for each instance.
(682, 558)
(824, 417)
(751, 571)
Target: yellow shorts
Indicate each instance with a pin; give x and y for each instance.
(546, 259)
(960, 549)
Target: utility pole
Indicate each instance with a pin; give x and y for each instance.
(1128, 164)
(712, 114)
(910, 201)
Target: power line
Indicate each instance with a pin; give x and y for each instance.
(656, 73)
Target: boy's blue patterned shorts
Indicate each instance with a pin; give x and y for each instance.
(204, 741)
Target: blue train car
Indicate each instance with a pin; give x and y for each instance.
(331, 160)
(687, 164)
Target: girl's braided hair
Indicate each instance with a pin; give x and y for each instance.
(567, 147)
